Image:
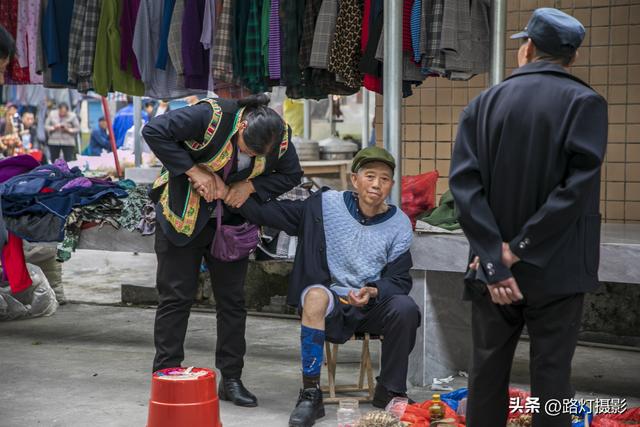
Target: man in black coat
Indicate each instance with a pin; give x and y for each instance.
(525, 175)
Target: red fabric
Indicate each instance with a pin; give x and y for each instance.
(14, 266)
(417, 415)
(9, 20)
(630, 418)
(370, 81)
(406, 26)
(419, 194)
(36, 154)
(46, 190)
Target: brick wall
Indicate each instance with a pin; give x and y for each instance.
(609, 60)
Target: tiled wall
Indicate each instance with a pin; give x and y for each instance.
(609, 60)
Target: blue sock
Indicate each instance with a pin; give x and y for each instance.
(311, 347)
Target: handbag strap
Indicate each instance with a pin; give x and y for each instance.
(225, 174)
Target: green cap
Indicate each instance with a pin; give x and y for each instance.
(372, 154)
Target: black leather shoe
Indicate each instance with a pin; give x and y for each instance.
(382, 396)
(308, 409)
(231, 389)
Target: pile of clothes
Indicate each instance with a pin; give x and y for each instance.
(53, 203)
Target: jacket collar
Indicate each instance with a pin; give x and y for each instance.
(545, 67)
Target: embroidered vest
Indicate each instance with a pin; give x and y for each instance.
(203, 154)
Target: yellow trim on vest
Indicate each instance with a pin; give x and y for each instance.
(216, 115)
(185, 223)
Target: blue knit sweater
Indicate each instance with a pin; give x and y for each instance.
(357, 253)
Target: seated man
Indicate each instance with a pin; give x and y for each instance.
(351, 274)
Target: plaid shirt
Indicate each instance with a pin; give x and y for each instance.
(433, 60)
(308, 26)
(323, 34)
(222, 61)
(175, 37)
(82, 42)
(252, 65)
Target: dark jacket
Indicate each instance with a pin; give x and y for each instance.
(304, 219)
(526, 170)
(166, 136)
(99, 141)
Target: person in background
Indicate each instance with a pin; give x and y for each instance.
(99, 140)
(525, 177)
(29, 133)
(62, 126)
(9, 130)
(7, 50)
(149, 107)
(161, 108)
(123, 121)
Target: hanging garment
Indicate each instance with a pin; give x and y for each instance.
(252, 65)
(433, 60)
(466, 38)
(9, 20)
(160, 84)
(194, 56)
(163, 50)
(345, 48)
(56, 28)
(238, 38)
(27, 38)
(208, 34)
(221, 66)
(41, 59)
(416, 29)
(175, 40)
(107, 74)
(323, 35)
(275, 41)
(292, 12)
(264, 35)
(371, 30)
(407, 7)
(82, 43)
(128, 61)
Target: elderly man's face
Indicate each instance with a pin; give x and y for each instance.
(373, 183)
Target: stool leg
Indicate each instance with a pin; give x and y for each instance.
(369, 370)
(363, 362)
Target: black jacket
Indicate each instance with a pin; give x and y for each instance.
(165, 135)
(304, 219)
(526, 170)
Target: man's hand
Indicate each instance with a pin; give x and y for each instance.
(238, 193)
(505, 292)
(362, 297)
(508, 257)
(203, 182)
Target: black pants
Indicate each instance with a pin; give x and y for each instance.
(68, 152)
(553, 327)
(396, 318)
(177, 283)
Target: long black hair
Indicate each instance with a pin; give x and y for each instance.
(7, 44)
(264, 126)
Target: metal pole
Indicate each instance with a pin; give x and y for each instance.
(332, 123)
(137, 125)
(498, 29)
(307, 120)
(392, 84)
(366, 124)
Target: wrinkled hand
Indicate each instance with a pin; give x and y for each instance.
(505, 292)
(362, 297)
(238, 193)
(203, 182)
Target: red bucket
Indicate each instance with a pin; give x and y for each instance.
(184, 397)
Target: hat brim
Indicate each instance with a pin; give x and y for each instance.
(361, 164)
(520, 35)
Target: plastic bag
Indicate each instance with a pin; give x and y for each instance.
(453, 399)
(630, 418)
(417, 415)
(419, 194)
(36, 301)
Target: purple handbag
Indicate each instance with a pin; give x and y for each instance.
(233, 242)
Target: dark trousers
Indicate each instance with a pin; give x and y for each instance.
(553, 327)
(68, 152)
(177, 283)
(396, 318)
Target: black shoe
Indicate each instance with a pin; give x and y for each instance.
(308, 409)
(382, 396)
(231, 389)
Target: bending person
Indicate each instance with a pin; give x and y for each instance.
(359, 282)
(194, 144)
